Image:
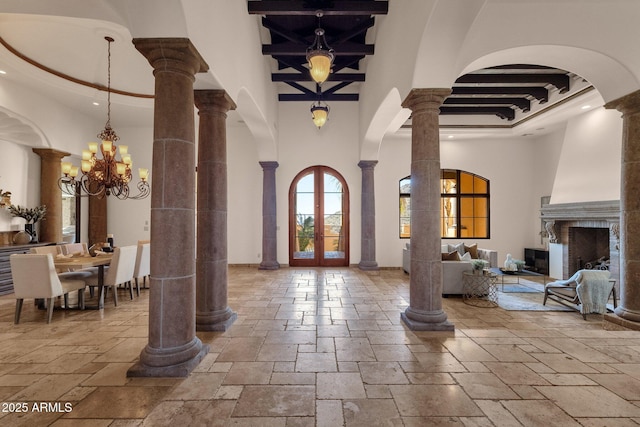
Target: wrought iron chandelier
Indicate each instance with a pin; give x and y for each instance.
(319, 113)
(320, 55)
(104, 176)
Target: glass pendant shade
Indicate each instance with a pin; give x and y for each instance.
(320, 65)
(319, 114)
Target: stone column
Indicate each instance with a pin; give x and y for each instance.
(212, 311)
(50, 193)
(368, 213)
(629, 308)
(269, 218)
(173, 349)
(425, 291)
(97, 220)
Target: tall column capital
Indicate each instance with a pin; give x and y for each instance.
(50, 153)
(172, 54)
(216, 100)
(628, 104)
(420, 100)
(367, 164)
(269, 165)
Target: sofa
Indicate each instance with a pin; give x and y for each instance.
(452, 270)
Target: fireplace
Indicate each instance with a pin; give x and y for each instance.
(588, 233)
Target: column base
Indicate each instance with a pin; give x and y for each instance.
(624, 323)
(627, 315)
(426, 321)
(368, 265)
(217, 322)
(163, 363)
(269, 265)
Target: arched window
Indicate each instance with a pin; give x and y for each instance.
(464, 205)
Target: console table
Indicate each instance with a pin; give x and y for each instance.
(480, 290)
(6, 281)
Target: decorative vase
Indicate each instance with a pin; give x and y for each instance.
(21, 238)
(31, 229)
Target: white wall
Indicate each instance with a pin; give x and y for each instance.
(302, 145)
(589, 165)
(508, 163)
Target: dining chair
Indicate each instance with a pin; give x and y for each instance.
(34, 276)
(120, 271)
(143, 265)
(75, 248)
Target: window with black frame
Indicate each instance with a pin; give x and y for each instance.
(464, 205)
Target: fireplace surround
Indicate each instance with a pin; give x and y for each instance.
(587, 231)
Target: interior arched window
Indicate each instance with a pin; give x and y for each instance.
(464, 205)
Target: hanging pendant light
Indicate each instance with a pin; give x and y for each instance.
(319, 113)
(319, 55)
(108, 175)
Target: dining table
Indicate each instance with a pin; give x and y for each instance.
(87, 261)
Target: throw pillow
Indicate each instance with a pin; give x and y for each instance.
(473, 250)
(459, 247)
(451, 256)
(466, 257)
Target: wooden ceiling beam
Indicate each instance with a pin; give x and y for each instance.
(294, 49)
(523, 103)
(301, 7)
(289, 35)
(560, 81)
(540, 93)
(306, 77)
(502, 112)
(316, 97)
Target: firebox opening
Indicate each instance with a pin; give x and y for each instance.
(588, 249)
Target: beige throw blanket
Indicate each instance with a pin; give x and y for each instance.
(593, 290)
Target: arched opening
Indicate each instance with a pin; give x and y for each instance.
(319, 219)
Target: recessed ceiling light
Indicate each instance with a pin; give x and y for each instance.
(450, 137)
(3, 72)
(95, 103)
(585, 107)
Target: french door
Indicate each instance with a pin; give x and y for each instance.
(319, 219)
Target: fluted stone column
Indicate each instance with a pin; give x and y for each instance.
(368, 213)
(173, 349)
(269, 218)
(50, 193)
(425, 299)
(629, 308)
(212, 311)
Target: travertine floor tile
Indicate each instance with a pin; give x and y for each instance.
(326, 347)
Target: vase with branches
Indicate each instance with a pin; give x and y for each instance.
(31, 215)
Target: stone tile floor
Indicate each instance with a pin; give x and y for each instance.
(323, 347)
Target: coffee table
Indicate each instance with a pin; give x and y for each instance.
(517, 274)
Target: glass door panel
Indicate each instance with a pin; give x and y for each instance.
(319, 219)
(305, 218)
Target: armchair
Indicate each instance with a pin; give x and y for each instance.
(587, 291)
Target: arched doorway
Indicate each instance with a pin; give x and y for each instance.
(318, 219)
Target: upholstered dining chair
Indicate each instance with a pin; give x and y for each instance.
(119, 272)
(75, 248)
(34, 276)
(143, 265)
(587, 291)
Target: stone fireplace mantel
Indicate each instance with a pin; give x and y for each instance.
(584, 213)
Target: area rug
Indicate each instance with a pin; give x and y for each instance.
(527, 301)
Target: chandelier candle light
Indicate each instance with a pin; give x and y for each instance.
(104, 176)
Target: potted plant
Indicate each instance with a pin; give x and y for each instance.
(478, 265)
(519, 263)
(31, 215)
